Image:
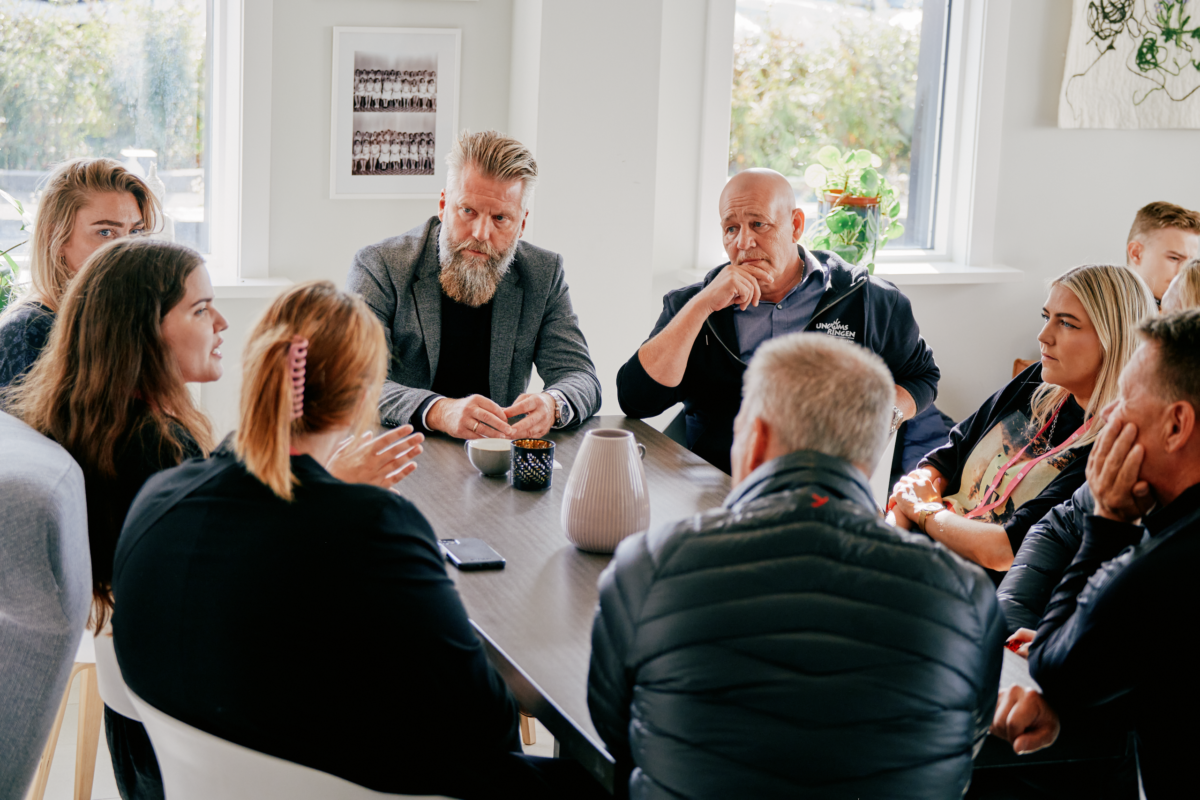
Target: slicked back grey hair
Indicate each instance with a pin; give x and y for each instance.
(820, 393)
(495, 155)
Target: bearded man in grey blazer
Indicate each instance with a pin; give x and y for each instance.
(469, 308)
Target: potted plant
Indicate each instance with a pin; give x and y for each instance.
(857, 209)
(8, 267)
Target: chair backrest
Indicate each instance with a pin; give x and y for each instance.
(45, 592)
(199, 766)
(109, 680)
(881, 485)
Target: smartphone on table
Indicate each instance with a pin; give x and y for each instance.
(471, 554)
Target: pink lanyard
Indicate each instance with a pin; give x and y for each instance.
(980, 510)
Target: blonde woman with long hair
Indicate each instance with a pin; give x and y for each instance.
(225, 566)
(86, 203)
(1025, 450)
(1184, 290)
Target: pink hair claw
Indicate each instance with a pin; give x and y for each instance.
(297, 359)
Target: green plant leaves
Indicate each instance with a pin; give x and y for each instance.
(840, 221)
(815, 176)
(869, 181)
(860, 158)
(895, 231)
(829, 156)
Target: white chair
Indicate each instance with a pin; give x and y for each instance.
(199, 766)
(881, 485)
(108, 677)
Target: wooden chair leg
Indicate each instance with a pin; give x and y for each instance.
(528, 730)
(91, 711)
(38, 790)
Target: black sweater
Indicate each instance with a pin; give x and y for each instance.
(859, 307)
(1120, 627)
(23, 335)
(324, 631)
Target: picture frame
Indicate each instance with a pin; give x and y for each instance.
(393, 112)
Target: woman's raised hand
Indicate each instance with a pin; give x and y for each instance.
(381, 461)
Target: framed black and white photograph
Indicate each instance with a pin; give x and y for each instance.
(395, 111)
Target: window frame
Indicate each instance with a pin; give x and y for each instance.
(968, 151)
(239, 153)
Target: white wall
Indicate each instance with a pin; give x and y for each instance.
(612, 100)
(312, 236)
(1064, 198)
(597, 143)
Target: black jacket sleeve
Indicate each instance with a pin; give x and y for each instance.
(1077, 657)
(624, 586)
(1043, 558)
(898, 341)
(640, 395)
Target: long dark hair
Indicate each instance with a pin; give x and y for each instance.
(107, 373)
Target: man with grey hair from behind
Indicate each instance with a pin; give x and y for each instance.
(790, 643)
(469, 308)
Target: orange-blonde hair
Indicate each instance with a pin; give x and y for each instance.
(346, 365)
(68, 189)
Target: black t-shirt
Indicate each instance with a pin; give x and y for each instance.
(987, 440)
(465, 359)
(140, 454)
(23, 336)
(232, 603)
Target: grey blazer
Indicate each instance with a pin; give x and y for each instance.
(45, 593)
(532, 323)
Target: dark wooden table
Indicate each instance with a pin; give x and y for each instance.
(535, 615)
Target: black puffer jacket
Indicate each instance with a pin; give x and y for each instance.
(792, 644)
(1042, 560)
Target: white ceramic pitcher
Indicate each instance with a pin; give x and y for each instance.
(606, 498)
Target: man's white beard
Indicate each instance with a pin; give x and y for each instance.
(467, 279)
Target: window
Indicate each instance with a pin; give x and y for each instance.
(126, 79)
(855, 74)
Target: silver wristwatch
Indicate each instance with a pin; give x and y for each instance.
(897, 418)
(562, 409)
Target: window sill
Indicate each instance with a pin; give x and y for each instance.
(250, 288)
(944, 272)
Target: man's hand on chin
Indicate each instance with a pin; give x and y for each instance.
(473, 417)
(539, 415)
(1113, 474)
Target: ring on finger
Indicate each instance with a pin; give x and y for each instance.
(476, 426)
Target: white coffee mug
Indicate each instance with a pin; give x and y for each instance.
(489, 456)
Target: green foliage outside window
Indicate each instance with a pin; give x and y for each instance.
(90, 79)
(855, 92)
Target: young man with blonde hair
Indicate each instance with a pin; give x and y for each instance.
(1163, 238)
(469, 308)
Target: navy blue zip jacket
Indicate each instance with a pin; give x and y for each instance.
(857, 306)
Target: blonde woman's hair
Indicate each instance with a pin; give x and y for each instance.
(496, 156)
(67, 190)
(1184, 291)
(346, 365)
(1116, 299)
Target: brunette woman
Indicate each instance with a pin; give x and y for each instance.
(1024, 451)
(259, 550)
(134, 326)
(87, 202)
